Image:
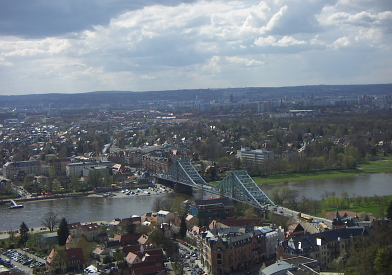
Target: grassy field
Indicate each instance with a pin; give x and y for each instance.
(373, 209)
(379, 166)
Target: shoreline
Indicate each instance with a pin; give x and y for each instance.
(116, 193)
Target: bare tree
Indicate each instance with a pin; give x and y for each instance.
(50, 220)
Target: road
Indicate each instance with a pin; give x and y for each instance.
(294, 214)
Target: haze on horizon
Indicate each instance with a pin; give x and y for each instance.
(72, 46)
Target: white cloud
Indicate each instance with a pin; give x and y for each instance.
(155, 46)
(265, 41)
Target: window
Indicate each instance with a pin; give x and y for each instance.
(219, 256)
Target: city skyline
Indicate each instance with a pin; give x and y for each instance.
(68, 47)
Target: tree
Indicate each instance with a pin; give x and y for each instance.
(383, 261)
(63, 232)
(50, 220)
(389, 211)
(157, 237)
(129, 227)
(85, 246)
(183, 228)
(24, 233)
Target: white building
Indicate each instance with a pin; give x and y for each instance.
(258, 156)
(11, 169)
(164, 217)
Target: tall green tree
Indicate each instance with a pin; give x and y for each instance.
(129, 227)
(183, 228)
(158, 238)
(389, 211)
(63, 232)
(24, 233)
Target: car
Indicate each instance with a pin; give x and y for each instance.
(281, 212)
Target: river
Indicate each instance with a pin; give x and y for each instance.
(365, 185)
(88, 209)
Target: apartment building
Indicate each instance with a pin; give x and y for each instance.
(12, 169)
(258, 156)
(207, 210)
(323, 247)
(229, 249)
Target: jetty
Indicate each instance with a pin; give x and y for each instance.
(15, 205)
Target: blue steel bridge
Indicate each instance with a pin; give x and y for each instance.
(237, 185)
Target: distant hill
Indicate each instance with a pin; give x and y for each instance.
(121, 98)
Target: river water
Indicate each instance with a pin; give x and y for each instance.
(366, 185)
(88, 209)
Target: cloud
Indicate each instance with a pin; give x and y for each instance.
(145, 45)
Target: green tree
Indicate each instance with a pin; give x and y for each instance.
(129, 227)
(389, 211)
(158, 238)
(63, 232)
(119, 255)
(85, 246)
(383, 261)
(24, 233)
(183, 228)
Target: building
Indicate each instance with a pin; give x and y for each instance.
(90, 231)
(296, 265)
(12, 169)
(258, 156)
(49, 238)
(69, 260)
(230, 249)
(324, 246)
(164, 217)
(207, 210)
(75, 169)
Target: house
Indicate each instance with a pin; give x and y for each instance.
(295, 229)
(127, 239)
(55, 263)
(324, 246)
(164, 217)
(49, 238)
(71, 241)
(75, 259)
(90, 231)
(101, 254)
(69, 260)
(143, 240)
(191, 221)
(132, 258)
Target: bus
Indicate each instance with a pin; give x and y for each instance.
(306, 218)
(323, 226)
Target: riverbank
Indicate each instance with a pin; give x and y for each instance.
(379, 166)
(111, 194)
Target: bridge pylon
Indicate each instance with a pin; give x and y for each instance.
(238, 185)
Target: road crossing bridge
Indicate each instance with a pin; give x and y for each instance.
(237, 185)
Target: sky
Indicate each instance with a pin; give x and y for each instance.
(74, 46)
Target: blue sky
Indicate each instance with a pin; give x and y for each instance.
(73, 46)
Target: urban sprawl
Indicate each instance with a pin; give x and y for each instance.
(122, 144)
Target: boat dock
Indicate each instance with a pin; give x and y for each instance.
(15, 205)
